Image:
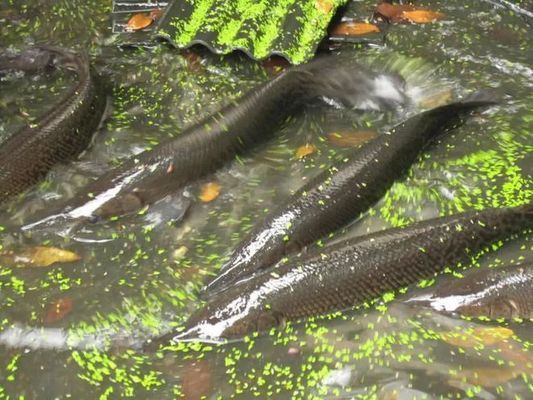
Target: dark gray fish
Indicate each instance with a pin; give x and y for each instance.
(339, 194)
(350, 273)
(503, 292)
(63, 133)
(235, 129)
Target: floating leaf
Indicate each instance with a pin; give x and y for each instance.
(436, 99)
(58, 310)
(350, 139)
(421, 16)
(139, 21)
(305, 150)
(354, 28)
(38, 256)
(477, 336)
(209, 192)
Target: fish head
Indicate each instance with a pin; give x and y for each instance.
(229, 318)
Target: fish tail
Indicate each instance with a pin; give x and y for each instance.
(343, 83)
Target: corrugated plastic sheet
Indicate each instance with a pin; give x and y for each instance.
(289, 28)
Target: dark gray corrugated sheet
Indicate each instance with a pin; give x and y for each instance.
(290, 28)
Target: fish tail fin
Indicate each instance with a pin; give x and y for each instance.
(342, 82)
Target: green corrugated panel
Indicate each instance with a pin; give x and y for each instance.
(290, 28)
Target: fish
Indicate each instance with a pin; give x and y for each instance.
(233, 130)
(504, 292)
(62, 133)
(349, 273)
(340, 194)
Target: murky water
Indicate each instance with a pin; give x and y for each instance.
(135, 280)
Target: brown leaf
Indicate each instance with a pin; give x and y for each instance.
(324, 5)
(209, 192)
(392, 12)
(38, 256)
(421, 16)
(275, 65)
(477, 336)
(354, 28)
(58, 310)
(349, 139)
(305, 150)
(139, 21)
(196, 380)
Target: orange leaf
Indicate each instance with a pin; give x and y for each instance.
(324, 5)
(209, 192)
(354, 28)
(139, 21)
(58, 310)
(305, 150)
(38, 256)
(349, 139)
(392, 12)
(421, 16)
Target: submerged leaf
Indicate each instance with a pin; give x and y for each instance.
(139, 21)
(58, 310)
(437, 99)
(392, 12)
(38, 256)
(305, 150)
(421, 16)
(477, 336)
(354, 28)
(209, 192)
(349, 139)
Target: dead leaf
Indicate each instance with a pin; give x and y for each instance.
(436, 99)
(209, 192)
(139, 21)
(197, 381)
(350, 139)
(486, 377)
(38, 256)
(421, 16)
(324, 5)
(275, 65)
(392, 12)
(354, 28)
(477, 336)
(305, 150)
(58, 310)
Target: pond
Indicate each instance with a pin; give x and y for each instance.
(137, 277)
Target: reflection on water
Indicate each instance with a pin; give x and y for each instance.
(139, 277)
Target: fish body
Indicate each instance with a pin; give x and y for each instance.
(503, 292)
(239, 126)
(61, 134)
(350, 273)
(339, 194)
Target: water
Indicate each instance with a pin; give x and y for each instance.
(135, 281)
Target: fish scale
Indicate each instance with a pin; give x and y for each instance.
(338, 195)
(351, 273)
(58, 136)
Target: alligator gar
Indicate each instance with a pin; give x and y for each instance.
(350, 273)
(61, 134)
(339, 194)
(503, 292)
(237, 127)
